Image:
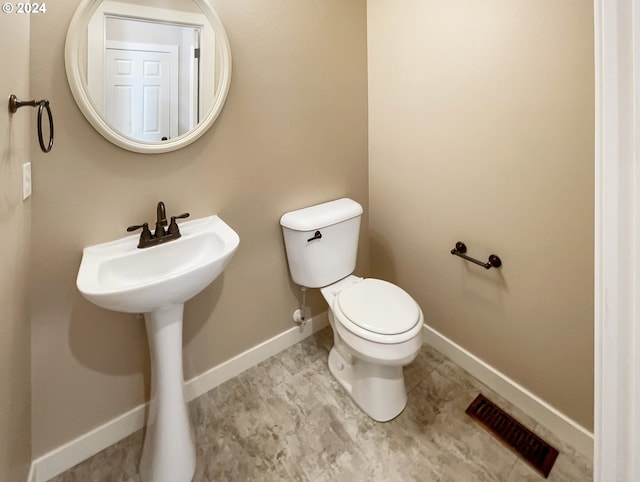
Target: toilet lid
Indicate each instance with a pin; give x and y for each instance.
(379, 306)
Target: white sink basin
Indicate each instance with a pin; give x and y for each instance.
(121, 277)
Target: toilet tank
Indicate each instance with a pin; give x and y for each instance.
(321, 241)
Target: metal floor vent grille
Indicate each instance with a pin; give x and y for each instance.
(533, 450)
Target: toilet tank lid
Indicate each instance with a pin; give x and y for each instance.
(321, 215)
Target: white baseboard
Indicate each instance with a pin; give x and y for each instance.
(221, 373)
(70, 454)
(543, 413)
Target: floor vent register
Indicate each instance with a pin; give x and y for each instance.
(522, 441)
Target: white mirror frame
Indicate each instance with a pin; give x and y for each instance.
(75, 37)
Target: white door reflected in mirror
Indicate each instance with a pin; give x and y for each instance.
(148, 79)
(138, 85)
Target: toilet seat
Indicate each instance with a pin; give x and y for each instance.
(378, 311)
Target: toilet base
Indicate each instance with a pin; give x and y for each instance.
(377, 389)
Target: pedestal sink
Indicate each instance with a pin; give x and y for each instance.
(157, 281)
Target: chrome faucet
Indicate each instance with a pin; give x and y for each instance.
(161, 235)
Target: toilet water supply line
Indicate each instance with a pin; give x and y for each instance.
(298, 315)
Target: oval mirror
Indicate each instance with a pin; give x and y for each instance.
(149, 76)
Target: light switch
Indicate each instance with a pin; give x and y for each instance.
(26, 180)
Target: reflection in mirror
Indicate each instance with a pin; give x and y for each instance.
(149, 79)
(146, 66)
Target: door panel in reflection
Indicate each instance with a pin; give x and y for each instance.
(138, 85)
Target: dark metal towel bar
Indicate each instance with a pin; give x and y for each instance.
(15, 104)
(461, 249)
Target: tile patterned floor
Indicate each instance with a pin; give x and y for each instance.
(288, 419)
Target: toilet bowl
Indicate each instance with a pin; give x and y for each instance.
(377, 331)
(377, 326)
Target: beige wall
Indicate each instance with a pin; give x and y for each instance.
(481, 130)
(16, 138)
(292, 133)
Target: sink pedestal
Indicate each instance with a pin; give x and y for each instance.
(169, 453)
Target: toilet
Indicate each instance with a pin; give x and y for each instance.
(377, 326)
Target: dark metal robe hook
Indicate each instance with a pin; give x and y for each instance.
(15, 104)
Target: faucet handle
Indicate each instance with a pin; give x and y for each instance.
(173, 227)
(145, 236)
(144, 226)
